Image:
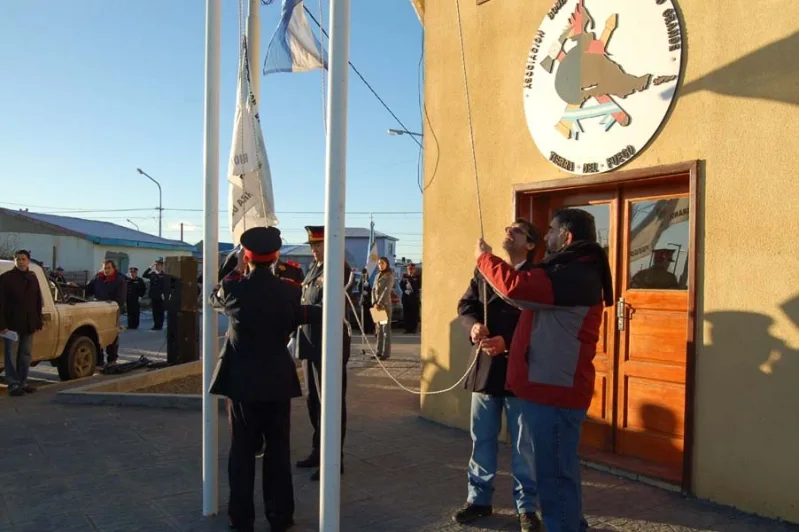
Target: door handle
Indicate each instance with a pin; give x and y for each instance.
(621, 314)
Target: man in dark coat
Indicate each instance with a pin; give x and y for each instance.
(136, 289)
(158, 285)
(21, 312)
(411, 287)
(109, 285)
(489, 396)
(309, 345)
(258, 375)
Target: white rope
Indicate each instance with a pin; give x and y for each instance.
(385, 369)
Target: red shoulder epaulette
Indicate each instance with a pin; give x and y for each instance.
(292, 263)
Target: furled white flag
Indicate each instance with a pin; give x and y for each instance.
(293, 47)
(251, 203)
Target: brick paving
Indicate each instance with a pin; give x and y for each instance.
(84, 468)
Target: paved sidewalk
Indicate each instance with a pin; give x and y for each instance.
(84, 468)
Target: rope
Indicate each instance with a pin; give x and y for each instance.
(484, 284)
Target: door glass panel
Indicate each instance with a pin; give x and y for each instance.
(601, 214)
(658, 243)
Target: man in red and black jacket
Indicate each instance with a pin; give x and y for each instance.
(550, 366)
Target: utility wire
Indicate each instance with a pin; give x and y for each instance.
(368, 86)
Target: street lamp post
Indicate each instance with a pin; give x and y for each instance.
(404, 132)
(160, 204)
(134, 224)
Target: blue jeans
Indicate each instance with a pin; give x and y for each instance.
(556, 436)
(485, 426)
(17, 364)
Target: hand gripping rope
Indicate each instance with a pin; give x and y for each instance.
(483, 285)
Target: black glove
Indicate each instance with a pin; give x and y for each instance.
(231, 261)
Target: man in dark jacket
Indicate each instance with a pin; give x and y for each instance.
(21, 312)
(550, 366)
(136, 289)
(411, 287)
(489, 396)
(258, 375)
(158, 285)
(109, 285)
(309, 340)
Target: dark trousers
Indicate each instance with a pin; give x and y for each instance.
(366, 320)
(410, 313)
(112, 350)
(312, 371)
(251, 425)
(134, 311)
(158, 313)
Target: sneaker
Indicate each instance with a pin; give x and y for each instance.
(472, 512)
(529, 522)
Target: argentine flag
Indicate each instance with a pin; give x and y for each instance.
(371, 263)
(293, 47)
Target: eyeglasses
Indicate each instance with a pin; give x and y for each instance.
(519, 231)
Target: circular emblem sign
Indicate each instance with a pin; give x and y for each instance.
(599, 80)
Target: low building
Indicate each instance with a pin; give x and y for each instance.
(80, 246)
(673, 140)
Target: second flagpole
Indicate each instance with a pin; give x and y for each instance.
(333, 306)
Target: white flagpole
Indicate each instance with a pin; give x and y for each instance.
(254, 48)
(213, 33)
(333, 306)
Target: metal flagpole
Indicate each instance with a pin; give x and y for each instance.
(213, 33)
(254, 47)
(333, 306)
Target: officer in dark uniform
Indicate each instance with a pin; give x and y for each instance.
(309, 345)
(258, 375)
(136, 289)
(158, 286)
(289, 271)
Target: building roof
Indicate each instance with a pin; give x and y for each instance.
(363, 232)
(98, 232)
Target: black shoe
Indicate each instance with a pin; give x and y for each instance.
(529, 522)
(311, 461)
(472, 512)
(241, 528)
(280, 525)
(16, 392)
(318, 474)
(28, 389)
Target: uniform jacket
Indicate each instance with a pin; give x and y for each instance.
(108, 289)
(262, 311)
(309, 337)
(20, 302)
(381, 291)
(157, 283)
(414, 283)
(553, 347)
(136, 288)
(488, 374)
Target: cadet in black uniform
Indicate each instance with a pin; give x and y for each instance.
(136, 289)
(310, 348)
(258, 375)
(158, 286)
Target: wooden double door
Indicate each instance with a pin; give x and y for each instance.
(637, 417)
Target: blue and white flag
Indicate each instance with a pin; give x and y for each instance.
(373, 256)
(293, 47)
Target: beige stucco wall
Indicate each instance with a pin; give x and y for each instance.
(741, 121)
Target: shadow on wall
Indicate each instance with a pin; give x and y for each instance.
(751, 402)
(768, 73)
(454, 407)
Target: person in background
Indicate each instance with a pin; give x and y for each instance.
(258, 376)
(136, 289)
(489, 396)
(309, 348)
(381, 300)
(155, 274)
(366, 303)
(109, 285)
(21, 306)
(550, 366)
(411, 286)
(57, 276)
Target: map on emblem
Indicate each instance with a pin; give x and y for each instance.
(599, 80)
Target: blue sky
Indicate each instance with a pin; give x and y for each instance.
(93, 89)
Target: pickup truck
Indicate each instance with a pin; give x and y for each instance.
(73, 329)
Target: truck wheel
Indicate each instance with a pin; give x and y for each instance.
(79, 359)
